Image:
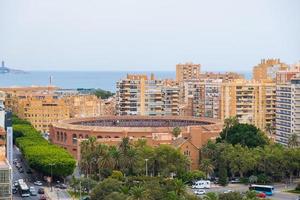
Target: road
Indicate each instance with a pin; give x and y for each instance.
(279, 193)
(56, 194)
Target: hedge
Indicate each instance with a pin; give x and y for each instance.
(39, 153)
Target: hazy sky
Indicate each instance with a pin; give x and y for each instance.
(147, 34)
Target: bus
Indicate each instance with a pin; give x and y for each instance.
(267, 189)
(23, 188)
(202, 184)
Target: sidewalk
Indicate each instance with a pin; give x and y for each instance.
(57, 194)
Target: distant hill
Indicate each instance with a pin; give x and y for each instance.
(6, 70)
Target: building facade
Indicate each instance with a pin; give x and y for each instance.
(226, 76)
(251, 102)
(83, 105)
(267, 69)
(139, 95)
(42, 110)
(5, 170)
(187, 71)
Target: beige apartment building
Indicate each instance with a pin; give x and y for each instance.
(226, 76)
(14, 93)
(140, 95)
(187, 71)
(267, 69)
(83, 105)
(42, 110)
(252, 102)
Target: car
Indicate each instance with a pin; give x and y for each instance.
(235, 180)
(32, 191)
(199, 192)
(43, 197)
(227, 191)
(16, 184)
(261, 195)
(15, 161)
(21, 170)
(41, 191)
(29, 171)
(14, 189)
(39, 183)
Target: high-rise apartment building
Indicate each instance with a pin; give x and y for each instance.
(187, 71)
(252, 102)
(5, 170)
(267, 69)
(286, 103)
(139, 95)
(42, 110)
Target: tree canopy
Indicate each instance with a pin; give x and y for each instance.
(39, 153)
(243, 134)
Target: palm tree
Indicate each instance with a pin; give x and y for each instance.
(228, 123)
(179, 187)
(138, 193)
(207, 166)
(116, 156)
(211, 196)
(293, 141)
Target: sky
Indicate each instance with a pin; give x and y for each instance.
(152, 35)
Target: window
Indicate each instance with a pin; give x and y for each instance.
(65, 137)
(74, 139)
(4, 176)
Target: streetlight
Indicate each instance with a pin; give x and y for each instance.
(146, 160)
(52, 164)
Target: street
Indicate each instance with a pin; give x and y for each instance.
(56, 194)
(279, 188)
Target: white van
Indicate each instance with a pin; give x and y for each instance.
(203, 184)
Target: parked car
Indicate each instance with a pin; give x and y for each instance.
(14, 189)
(235, 180)
(32, 191)
(29, 171)
(39, 183)
(16, 184)
(227, 191)
(261, 195)
(199, 192)
(21, 170)
(41, 191)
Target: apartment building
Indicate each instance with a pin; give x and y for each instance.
(286, 104)
(5, 170)
(212, 98)
(187, 71)
(42, 110)
(295, 102)
(267, 69)
(226, 76)
(14, 93)
(83, 105)
(140, 95)
(252, 102)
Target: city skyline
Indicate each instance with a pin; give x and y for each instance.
(129, 36)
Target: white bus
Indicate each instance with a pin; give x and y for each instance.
(23, 188)
(203, 184)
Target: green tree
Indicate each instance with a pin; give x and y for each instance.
(138, 193)
(176, 132)
(116, 196)
(244, 134)
(223, 177)
(293, 141)
(211, 196)
(207, 166)
(105, 188)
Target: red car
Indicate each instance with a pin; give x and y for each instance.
(261, 195)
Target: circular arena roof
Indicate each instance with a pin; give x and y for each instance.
(136, 122)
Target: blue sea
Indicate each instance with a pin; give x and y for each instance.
(77, 79)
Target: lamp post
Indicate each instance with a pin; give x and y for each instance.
(52, 164)
(146, 160)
